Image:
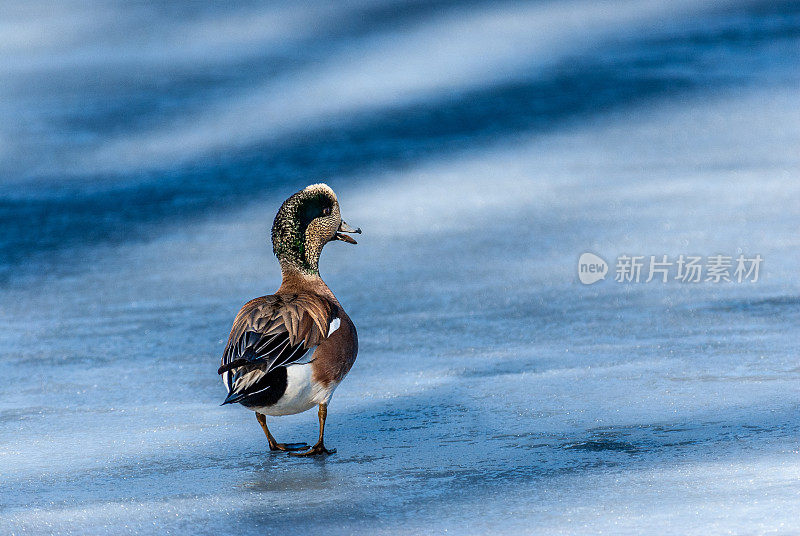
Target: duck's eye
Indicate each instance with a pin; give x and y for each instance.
(326, 211)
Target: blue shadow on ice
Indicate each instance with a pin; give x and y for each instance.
(730, 49)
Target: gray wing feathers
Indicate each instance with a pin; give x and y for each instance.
(273, 331)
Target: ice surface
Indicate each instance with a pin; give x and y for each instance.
(493, 392)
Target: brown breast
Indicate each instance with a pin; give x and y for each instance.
(334, 358)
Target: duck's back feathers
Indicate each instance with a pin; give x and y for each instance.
(268, 334)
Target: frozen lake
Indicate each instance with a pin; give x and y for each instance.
(482, 147)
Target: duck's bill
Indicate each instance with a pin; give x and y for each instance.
(344, 228)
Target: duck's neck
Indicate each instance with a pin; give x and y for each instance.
(295, 281)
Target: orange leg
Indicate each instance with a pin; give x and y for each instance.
(274, 445)
(319, 448)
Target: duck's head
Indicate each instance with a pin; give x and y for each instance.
(304, 224)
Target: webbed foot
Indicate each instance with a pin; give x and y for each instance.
(316, 450)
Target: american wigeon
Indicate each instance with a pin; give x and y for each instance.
(288, 352)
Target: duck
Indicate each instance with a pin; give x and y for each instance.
(287, 352)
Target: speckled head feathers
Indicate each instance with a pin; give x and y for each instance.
(305, 222)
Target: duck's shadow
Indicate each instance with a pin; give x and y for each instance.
(282, 473)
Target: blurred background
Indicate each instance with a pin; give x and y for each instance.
(482, 147)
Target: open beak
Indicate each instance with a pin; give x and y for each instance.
(344, 228)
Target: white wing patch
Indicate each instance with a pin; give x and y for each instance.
(334, 325)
